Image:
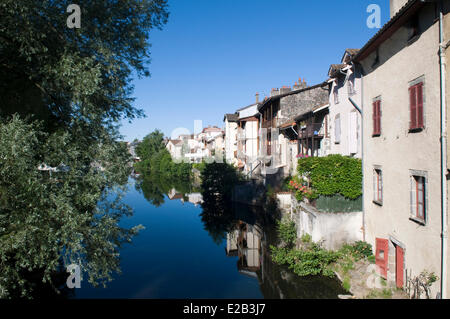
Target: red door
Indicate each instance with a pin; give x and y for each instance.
(382, 256)
(399, 266)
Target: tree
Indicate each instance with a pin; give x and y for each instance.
(150, 145)
(63, 92)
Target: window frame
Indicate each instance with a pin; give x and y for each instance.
(417, 178)
(378, 185)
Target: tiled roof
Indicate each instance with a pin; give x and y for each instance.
(231, 117)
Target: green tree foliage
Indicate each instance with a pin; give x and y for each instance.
(150, 145)
(333, 174)
(63, 92)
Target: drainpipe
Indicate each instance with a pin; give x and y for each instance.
(443, 157)
(360, 110)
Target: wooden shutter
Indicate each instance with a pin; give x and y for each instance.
(376, 117)
(413, 107)
(399, 266)
(419, 94)
(382, 255)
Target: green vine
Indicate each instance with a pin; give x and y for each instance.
(333, 174)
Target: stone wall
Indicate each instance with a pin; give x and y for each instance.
(331, 229)
(297, 104)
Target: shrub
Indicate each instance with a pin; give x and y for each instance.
(287, 231)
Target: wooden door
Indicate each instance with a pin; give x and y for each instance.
(399, 266)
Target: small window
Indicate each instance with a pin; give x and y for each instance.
(351, 86)
(376, 117)
(377, 186)
(337, 129)
(418, 198)
(336, 95)
(416, 107)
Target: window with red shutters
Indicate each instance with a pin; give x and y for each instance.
(376, 118)
(416, 106)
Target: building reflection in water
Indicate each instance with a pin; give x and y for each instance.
(249, 232)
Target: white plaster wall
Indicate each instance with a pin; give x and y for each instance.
(397, 151)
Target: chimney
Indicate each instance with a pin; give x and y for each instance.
(274, 92)
(297, 85)
(396, 5)
(285, 89)
(257, 97)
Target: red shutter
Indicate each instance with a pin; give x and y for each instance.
(399, 255)
(376, 118)
(379, 116)
(419, 94)
(382, 255)
(413, 107)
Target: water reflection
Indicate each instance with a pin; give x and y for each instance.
(246, 232)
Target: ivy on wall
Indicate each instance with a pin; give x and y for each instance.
(333, 174)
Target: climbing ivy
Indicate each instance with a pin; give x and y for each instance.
(333, 174)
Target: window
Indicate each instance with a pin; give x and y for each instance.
(376, 116)
(416, 106)
(336, 95)
(377, 186)
(337, 129)
(418, 198)
(351, 86)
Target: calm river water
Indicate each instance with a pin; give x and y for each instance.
(184, 252)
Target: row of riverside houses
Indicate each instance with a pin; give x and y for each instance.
(387, 104)
(195, 148)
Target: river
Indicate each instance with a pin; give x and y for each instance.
(186, 251)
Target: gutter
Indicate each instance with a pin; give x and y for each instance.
(444, 231)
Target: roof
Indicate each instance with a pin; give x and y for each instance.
(212, 129)
(279, 96)
(335, 68)
(231, 117)
(175, 142)
(248, 106)
(411, 7)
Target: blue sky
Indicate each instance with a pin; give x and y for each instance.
(214, 55)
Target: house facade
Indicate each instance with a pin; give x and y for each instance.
(230, 140)
(247, 139)
(344, 120)
(402, 149)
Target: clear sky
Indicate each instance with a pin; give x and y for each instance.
(214, 55)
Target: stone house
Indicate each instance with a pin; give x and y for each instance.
(279, 144)
(404, 186)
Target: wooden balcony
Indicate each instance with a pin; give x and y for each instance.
(312, 130)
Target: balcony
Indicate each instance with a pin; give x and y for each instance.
(312, 130)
